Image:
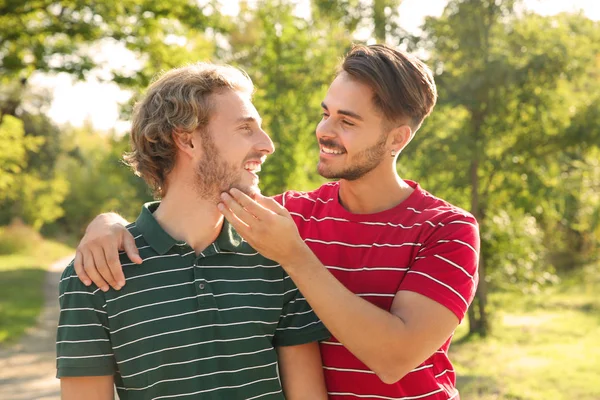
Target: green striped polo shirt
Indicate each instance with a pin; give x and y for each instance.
(185, 325)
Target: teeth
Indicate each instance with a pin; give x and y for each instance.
(331, 151)
(252, 167)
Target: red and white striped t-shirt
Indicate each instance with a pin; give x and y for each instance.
(423, 245)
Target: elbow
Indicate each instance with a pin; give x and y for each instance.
(391, 374)
(389, 377)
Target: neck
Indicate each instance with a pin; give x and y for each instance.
(185, 216)
(379, 190)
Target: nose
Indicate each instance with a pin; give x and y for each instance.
(325, 129)
(265, 144)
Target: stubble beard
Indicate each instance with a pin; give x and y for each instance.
(214, 175)
(360, 164)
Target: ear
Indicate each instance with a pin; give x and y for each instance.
(184, 141)
(400, 136)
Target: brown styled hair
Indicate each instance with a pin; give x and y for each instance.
(403, 86)
(178, 101)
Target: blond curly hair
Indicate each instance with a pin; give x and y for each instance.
(178, 101)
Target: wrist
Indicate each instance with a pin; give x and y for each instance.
(299, 259)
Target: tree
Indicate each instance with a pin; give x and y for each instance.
(380, 17)
(504, 78)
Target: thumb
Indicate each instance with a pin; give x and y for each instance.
(130, 248)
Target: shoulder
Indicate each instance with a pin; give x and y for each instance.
(440, 221)
(67, 276)
(431, 208)
(73, 291)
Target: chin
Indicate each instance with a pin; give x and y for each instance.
(250, 190)
(325, 173)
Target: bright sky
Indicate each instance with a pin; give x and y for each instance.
(97, 101)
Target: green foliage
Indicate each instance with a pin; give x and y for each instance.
(514, 243)
(504, 141)
(55, 35)
(13, 153)
(292, 63)
(99, 180)
(30, 189)
(379, 17)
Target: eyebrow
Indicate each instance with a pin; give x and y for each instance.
(248, 119)
(345, 112)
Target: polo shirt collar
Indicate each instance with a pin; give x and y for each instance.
(162, 242)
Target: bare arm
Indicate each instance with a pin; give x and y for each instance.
(390, 343)
(90, 387)
(97, 256)
(302, 372)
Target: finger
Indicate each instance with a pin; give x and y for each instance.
(78, 263)
(102, 266)
(111, 253)
(92, 272)
(242, 228)
(236, 208)
(130, 248)
(270, 204)
(250, 204)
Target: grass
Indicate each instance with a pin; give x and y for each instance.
(543, 346)
(21, 287)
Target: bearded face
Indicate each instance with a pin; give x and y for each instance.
(215, 175)
(356, 165)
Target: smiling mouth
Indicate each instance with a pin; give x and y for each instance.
(253, 167)
(331, 151)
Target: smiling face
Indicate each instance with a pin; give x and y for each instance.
(352, 135)
(232, 147)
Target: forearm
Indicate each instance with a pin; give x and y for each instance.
(373, 335)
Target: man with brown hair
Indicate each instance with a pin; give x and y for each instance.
(389, 268)
(203, 315)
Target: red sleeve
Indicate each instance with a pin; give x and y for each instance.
(445, 269)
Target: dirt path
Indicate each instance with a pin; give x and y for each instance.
(27, 370)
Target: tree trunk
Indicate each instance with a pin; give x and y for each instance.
(478, 320)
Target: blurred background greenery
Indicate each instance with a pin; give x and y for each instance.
(515, 139)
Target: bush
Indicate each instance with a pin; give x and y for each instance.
(513, 245)
(18, 238)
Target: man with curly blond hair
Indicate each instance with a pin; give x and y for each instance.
(203, 313)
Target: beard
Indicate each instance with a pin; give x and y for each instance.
(360, 164)
(214, 175)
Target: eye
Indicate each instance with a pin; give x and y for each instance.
(325, 115)
(348, 123)
(247, 129)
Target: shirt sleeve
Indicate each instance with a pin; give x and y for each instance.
(445, 269)
(298, 323)
(83, 345)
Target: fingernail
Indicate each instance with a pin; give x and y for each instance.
(118, 287)
(220, 206)
(223, 196)
(121, 284)
(104, 288)
(87, 283)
